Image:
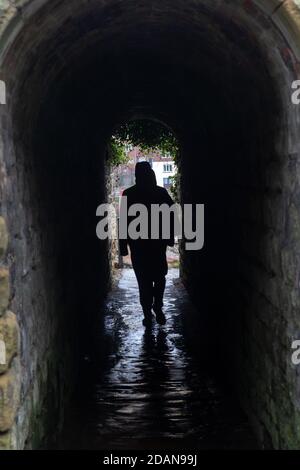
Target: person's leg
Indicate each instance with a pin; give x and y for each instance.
(146, 294)
(159, 289)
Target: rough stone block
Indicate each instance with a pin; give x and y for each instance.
(9, 340)
(4, 4)
(4, 290)
(3, 237)
(287, 17)
(7, 441)
(9, 396)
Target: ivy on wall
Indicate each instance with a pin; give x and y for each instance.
(149, 135)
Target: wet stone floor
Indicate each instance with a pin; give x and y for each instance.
(149, 389)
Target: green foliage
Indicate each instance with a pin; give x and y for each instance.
(175, 187)
(149, 136)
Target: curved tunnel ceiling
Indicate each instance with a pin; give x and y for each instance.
(155, 58)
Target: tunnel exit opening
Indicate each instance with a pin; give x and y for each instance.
(135, 141)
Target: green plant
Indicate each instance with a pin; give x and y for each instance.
(116, 152)
(175, 187)
(149, 135)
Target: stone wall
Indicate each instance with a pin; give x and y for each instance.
(246, 280)
(10, 376)
(50, 188)
(59, 274)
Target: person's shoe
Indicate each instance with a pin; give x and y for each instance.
(147, 322)
(160, 316)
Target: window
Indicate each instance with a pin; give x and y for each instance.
(168, 168)
(167, 182)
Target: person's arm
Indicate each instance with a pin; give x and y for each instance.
(170, 202)
(123, 247)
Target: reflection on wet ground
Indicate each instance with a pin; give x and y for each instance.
(150, 390)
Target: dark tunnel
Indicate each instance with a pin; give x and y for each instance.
(211, 71)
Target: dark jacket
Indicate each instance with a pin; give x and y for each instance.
(147, 254)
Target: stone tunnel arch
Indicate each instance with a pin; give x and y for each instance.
(219, 74)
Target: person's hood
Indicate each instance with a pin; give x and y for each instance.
(144, 175)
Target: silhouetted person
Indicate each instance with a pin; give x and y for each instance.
(149, 258)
